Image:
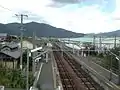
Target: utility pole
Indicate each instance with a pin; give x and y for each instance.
(21, 37)
(61, 51)
(115, 42)
(94, 40)
(110, 68)
(78, 52)
(46, 56)
(100, 43)
(33, 55)
(119, 68)
(27, 73)
(73, 48)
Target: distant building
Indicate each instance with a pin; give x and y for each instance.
(7, 38)
(3, 36)
(9, 55)
(26, 44)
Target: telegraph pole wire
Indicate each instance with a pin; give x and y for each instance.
(21, 37)
(5, 8)
(33, 55)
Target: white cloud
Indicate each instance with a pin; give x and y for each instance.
(26, 4)
(86, 19)
(18, 6)
(116, 13)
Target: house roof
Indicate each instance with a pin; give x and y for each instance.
(15, 54)
(11, 45)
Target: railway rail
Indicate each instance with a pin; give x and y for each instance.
(84, 76)
(73, 77)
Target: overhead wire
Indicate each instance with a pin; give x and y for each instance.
(1, 6)
(5, 8)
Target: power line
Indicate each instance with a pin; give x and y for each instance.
(21, 37)
(1, 6)
(5, 8)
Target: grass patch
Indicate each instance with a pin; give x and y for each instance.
(14, 79)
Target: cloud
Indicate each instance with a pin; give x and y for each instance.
(16, 5)
(116, 12)
(85, 20)
(93, 18)
(32, 16)
(56, 5)
(67, 1)
(83, 17)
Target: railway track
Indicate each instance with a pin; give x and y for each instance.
(69, 79)
(73, 77)
(65, 77)
(85, 77)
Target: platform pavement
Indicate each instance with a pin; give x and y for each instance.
(101, 73)
(45, 81)
(104, 72)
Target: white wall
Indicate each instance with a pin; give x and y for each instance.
(27, 44)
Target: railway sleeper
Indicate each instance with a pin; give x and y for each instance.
(91, 89)
(84, 78)
(86, 81)
(89, 85)
(67, 84)
(89, 79)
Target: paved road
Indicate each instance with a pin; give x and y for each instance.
(45, 81)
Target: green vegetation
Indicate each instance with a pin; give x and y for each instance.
(14, 78)
(25, 61)
(87, 44)
(108, 60)
(105, 59)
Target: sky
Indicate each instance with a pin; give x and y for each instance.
(82, 16)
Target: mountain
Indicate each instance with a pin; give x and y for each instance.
(105, 34)
(89, 35)
(41, 29)
(110, 34)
